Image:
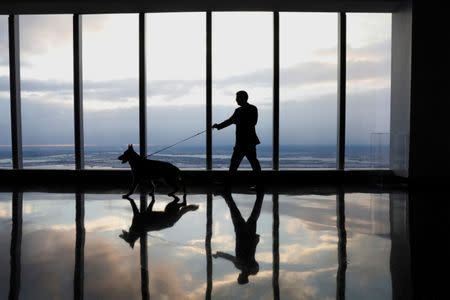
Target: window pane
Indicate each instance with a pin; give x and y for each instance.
(242, 59)
(5, 116)
(308, 90)
(111, 87)
(368, 90)
(47, 91)
(176, 44)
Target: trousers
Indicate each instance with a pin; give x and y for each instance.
(239, 153)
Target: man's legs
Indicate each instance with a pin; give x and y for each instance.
(236, 158)
(254, 162)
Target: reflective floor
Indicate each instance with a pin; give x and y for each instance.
(227, 245)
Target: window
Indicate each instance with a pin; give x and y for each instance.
(368, 90)
(47, 91)
(111, 87)
(5, 116)
(308, 90)
(176, 88)
(242, 59)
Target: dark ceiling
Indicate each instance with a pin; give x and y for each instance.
(130, 6)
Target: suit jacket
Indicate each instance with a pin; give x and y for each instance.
(245, 117)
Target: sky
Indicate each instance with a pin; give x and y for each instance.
(242, 50)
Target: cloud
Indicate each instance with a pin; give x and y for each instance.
(312, 73)
(376, 51)
(310, 121)
(309, 101)
(4, 59)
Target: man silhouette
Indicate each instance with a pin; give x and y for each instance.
(246, 237)
(245, 118)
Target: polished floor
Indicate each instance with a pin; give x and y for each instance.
(238, 244)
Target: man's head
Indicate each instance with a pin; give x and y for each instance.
(241, 97)
(252, 269)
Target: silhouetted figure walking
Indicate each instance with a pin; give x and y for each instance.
(246, 237)
(245, 117)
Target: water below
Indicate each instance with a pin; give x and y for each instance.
(228, 246)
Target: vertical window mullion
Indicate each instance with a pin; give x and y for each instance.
(342, 61)
(78, 91)
(276, 91)
(14, 77)
(142, 86)
(208, 91)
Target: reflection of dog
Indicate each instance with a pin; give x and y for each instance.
(150, 170)
(149, 220)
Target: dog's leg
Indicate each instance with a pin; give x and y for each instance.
(150, 206)
(180, 182)
(133, 187)
(175, 189)
(134, 207)
(184, 188)
(152, 193)
(173, 183)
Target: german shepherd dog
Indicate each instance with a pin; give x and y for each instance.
(150, 220)
(146, 170)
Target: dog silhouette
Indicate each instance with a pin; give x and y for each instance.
(150, 220)
(146, 170)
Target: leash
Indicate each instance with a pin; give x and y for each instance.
(179, 142)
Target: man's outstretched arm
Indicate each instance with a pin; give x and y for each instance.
(225, 123)
(225, 256)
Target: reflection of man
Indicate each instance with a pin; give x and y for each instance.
(245, 117)
(246, 237)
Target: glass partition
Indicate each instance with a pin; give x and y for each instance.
(5, 115)
(368, 90)
(308, 90)
(242, 59)
(111, 87)
(46, 68)
(176, 87)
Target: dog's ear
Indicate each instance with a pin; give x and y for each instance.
(130, 146)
